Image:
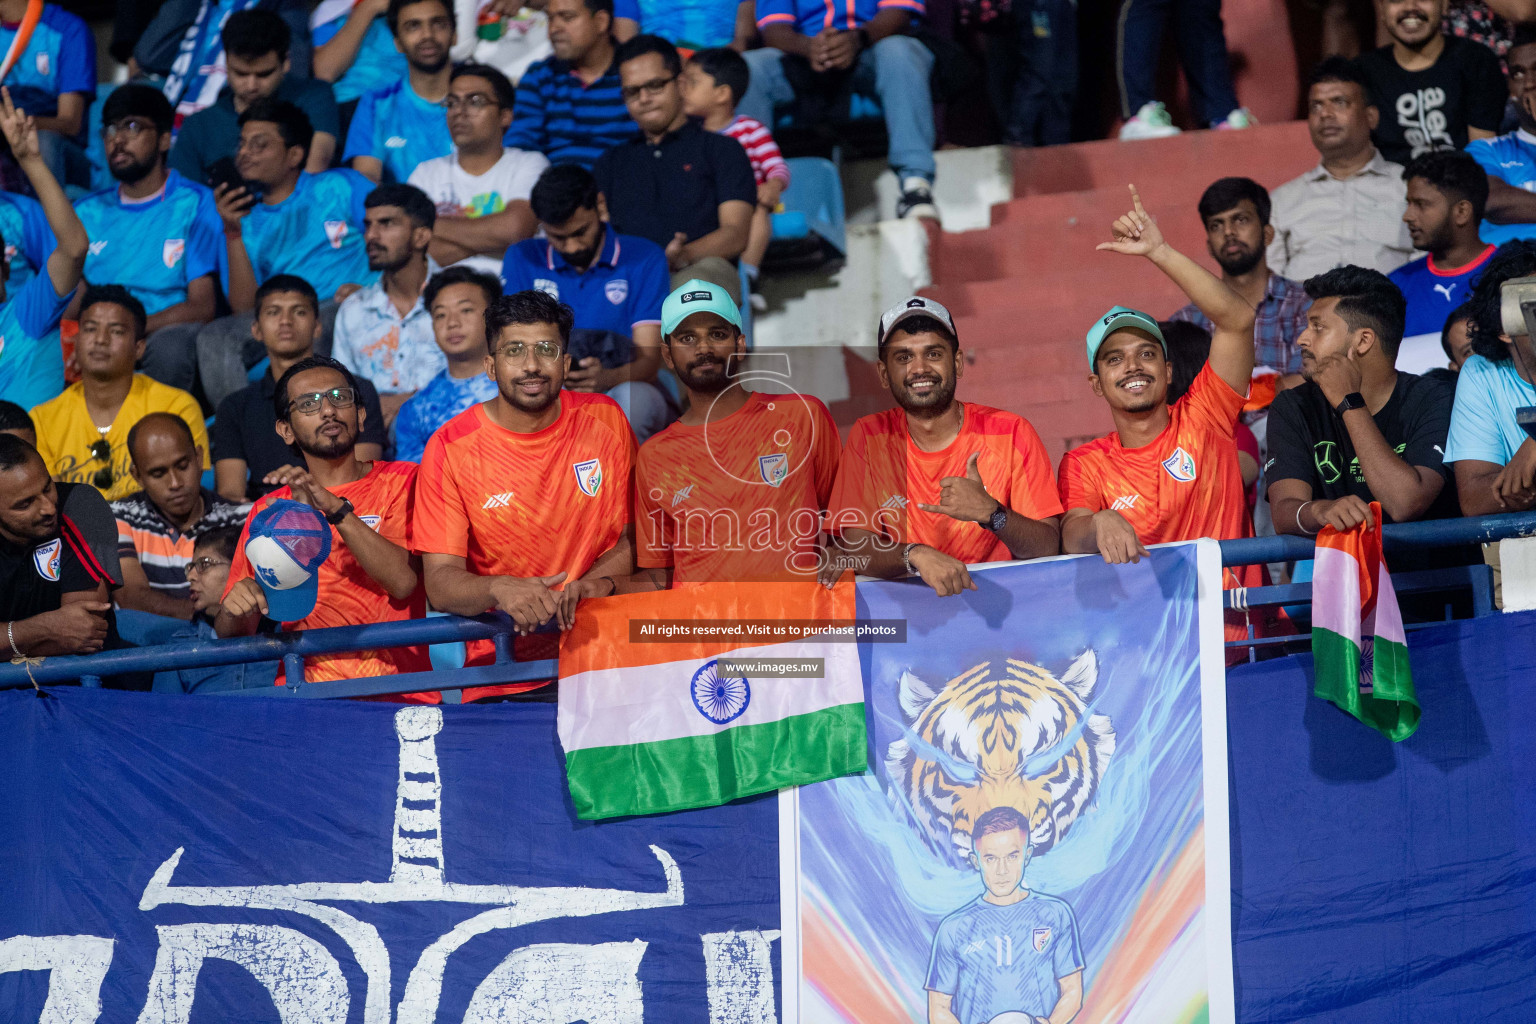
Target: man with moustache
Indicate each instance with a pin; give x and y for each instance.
(523, 503)
(383, 332)
(1434, 91)
(401, 125)
(734, 489)
(935, 484)
(1235, 212)
(370, 576)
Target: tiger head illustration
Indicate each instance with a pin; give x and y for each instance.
(1014, 736)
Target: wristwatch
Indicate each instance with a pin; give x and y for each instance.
(997, 520)
(1353, 400)
(342, 511)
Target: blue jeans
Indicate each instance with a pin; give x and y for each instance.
(1202, 46)
(895, 70)
(645, 406)
(1032, 73)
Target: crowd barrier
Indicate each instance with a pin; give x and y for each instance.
(1474, 581)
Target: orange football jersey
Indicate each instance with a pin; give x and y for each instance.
(348, 595)
(739, 498)
(884, 476)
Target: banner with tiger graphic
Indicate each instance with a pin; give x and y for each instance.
(1043, 832)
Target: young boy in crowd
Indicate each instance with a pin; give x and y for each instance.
(456, 298)
(713, 82)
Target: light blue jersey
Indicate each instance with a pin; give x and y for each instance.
(991, 959)
(31, 361)
(1512, 159)
(398, 128)
(376, 65)
(28, 238)
(60, 57)
(441, 400)
(316, 233)
(157, 248)
(1483, 427)
(695, 24)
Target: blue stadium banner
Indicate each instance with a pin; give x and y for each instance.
(1044, 832)
(177, 860)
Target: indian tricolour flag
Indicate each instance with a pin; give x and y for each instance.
(1358, 648)
(650, 724)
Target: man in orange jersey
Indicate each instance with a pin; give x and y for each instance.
(370, 575)
(733, 490)
(936, 483)
(1167, 473)
(524, 501)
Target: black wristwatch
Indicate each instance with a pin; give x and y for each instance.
(1353, 400)
(998, 519)
(342, 511)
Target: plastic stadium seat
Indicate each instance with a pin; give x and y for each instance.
(811, 230)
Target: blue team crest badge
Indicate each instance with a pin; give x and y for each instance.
(43, 64)
(46, 558)
(336, 231)
(372, 522)
(1041, 939)
(1180, 465)
(548, 287)
(589, 476)
(617, 291)
(172, 251)
(774, 468)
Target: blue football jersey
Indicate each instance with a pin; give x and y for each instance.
(1433, 293)
(31, 360)
(1512, 159)
(398, 128)
(155, 249)
(28, 238)
(991, 959)
(60, 57)
(377, 62)
(316, 233)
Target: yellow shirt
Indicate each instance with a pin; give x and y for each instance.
(65, 432)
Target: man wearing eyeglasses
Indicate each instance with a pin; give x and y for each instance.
(690, 191)
(154, 232)
(397, 127)
(370, 575)
(481, 189)
(523, 503)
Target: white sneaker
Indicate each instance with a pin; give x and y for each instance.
(1151, 122)
(1236, 121)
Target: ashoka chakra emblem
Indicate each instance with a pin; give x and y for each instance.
(719, 698)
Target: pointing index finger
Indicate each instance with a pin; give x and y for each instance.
(1136, 201)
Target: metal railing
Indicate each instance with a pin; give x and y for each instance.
(292, 648)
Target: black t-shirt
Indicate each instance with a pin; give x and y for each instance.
(675, 185)
(1433, 108)
(35, 577)
(1308, 441)
(246, 428)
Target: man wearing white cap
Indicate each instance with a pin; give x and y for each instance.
(733, 490)
(935, 483)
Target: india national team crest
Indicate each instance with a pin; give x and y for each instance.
(372, 522)
(336, 231)
(617, 291)
(46, 558)
(589, 476)
(774, 468)
(1042, 936)
(1180, 465)
(172, 251)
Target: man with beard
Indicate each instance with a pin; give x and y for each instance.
(935, 483)
(58, 560)
(1235, 212)
(401, 125)
(615, 285)
(1434, 91)
(1446, 196)
(384, 332)
(734, 490)
(155, 233)
(569, 106)
(156, 524)
(370, 576)
(1359, 430)
(523, 504)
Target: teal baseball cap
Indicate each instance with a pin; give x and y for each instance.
(1116, 318)
(697, 296)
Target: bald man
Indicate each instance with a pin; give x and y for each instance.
(158, 524)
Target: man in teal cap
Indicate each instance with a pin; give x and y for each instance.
(1167, 473)
(735, 488)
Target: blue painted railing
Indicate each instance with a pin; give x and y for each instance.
(292, 648)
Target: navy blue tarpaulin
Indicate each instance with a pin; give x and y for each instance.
(1381, 883)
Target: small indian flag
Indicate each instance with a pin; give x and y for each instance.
(734, 700)
(1359, 652)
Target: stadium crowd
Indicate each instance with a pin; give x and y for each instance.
(482, 331)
